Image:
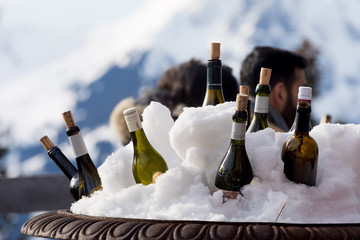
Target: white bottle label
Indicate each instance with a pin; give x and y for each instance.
(78, 145)
(261, 104)
(238, 131)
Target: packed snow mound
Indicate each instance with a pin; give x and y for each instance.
(194, 146)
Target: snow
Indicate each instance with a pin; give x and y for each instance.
(194, 146)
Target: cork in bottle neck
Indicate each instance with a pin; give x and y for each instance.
(46, 143)
(69, 120)
(244, 89)
(241, 102)
(265, 75)
(215, 51)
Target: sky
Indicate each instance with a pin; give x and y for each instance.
(37, 31)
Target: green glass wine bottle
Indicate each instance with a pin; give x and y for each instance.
(300, 151)
(235, 169)
(262, 91)
(214, 93)
(304, 95)
(148, 164)
(244, 89)
(64, 164)
(88, 175)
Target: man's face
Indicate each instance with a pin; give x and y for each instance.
(290, 108)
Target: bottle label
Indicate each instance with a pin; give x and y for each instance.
(78, 145)
(261, 104)
(214, 85)
(134, 125)
(238, 131)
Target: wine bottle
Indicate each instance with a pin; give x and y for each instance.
(244, 89)
(235, 170)
(214, 93)
(262, 91)
(88, 175)
(300, 151)
(148, 164)
(64, 164)
(304, 95)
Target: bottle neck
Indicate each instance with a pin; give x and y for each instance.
(77, 141)
(302, 118)
(214, 74)
(138, 136)
(134, 124)
(303, 100)
(62, 162)
(262, 99)
(239, 127)
(72, 131)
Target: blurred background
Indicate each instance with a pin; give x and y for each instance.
(86, 56)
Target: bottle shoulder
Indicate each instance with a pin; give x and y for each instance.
(301, 143)
(143, 148)
(259, 122)
(213, 97)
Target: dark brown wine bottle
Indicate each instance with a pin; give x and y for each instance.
(64, 164)
(214, 93)
(235, 169)
(300, 151)
(88, 175)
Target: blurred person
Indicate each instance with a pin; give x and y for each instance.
(180, 86)
(288, 74)
(187, 82)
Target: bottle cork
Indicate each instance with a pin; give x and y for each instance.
(241, 102)
(325, 119)
(215, 51)
(265, 75)
(69, 120)
(244, 89)
(47, 143)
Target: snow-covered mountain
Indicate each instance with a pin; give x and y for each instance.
(116, 58)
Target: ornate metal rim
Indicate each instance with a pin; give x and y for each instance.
(66, 225)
